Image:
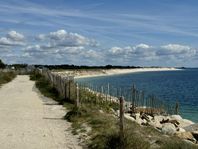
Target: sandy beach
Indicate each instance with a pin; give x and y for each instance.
(107, 72)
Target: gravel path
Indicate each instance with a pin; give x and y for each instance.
(30, 121)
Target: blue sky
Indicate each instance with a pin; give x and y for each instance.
(90, 32)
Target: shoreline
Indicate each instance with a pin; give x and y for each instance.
(100, 73)
(174, 125)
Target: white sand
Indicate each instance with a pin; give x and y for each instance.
(29, 121)
(86, 74)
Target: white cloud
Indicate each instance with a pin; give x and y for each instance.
(13, 38)
(92, 54)
(137, 50)
(13, 35)
(176, 50)
(66, 47)
(142, 46)
(62, 38)
(116, 50)
(143, 52)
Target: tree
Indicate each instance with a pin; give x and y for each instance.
(2, 65)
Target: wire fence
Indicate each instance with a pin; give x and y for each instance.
(136, 101)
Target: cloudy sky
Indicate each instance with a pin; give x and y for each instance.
(100, 32)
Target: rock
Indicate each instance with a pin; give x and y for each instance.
(155, 124)
(127, 116)
(159, 118)
(191, 128)
(185, 123)
(127, 107)
(101, 111)
(195, 135)
(145, 121)
(164, 121)
(175, 122)
(168, 128)
(181, 130)
(137, 115)
(118, 112)
(137, 120)
(140, 121)
(190, 142)
(175, 117)
(185, 135)
(144, 116)
(150, 117)
(133, 115)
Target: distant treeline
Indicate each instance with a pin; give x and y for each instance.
(18, 66)
(67, 66)
(84, 67)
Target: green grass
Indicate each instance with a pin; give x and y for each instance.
(104, 132)
(6, 77)
(45, 88)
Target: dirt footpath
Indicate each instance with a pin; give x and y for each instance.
(30, 121)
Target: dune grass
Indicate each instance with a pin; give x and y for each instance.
(105, 131)
(6, 77)
(45, 88)
(104, 124)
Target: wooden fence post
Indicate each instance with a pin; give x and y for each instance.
(69, 89)
(122, 121)
(177, 107)
(65, 82)
(133, 98)
(77, 95)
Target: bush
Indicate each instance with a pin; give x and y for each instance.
(2, 65)
(6, 77)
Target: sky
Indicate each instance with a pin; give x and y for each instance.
(100, 32)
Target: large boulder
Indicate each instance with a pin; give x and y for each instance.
(140, 121)
(182, 122)
(168, 128)
(137, 115)
(185, 135)
(175, 117)
(181, 130)
(159, 118)
(185, 123)
(145, 116)
(127, 116)
(195, 135)
(191, 128)
(155, 124)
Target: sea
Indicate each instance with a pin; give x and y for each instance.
(169, 86)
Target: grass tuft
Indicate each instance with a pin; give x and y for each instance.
(6, 77)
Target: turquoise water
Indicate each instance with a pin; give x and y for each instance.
(169, 86)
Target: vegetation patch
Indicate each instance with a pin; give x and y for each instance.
(45, 87)
(104, 124)
(6, 77)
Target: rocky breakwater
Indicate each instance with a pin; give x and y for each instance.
(170, 125)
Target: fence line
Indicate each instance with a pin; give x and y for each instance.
(129, 100)
(136, 100)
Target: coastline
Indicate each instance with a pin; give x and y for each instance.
(173, 125)
(99, 73)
